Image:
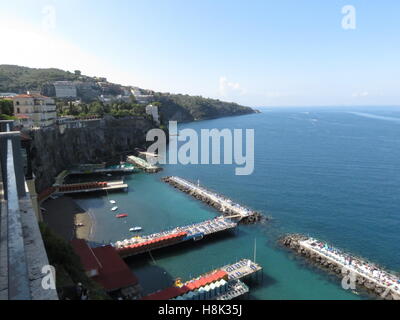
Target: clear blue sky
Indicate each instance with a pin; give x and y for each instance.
(258, 53)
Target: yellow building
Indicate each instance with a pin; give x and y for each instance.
(34, 110)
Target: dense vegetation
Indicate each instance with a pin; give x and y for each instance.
(20, 79)
(198, 108)
(172, 106)
(6, 109)
(69, 270)
(99, 109)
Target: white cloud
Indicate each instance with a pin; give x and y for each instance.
(227, 88)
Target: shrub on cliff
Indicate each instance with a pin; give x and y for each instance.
(69, 270)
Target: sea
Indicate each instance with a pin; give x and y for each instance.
(330, 173)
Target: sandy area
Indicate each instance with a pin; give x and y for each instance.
(63, 216)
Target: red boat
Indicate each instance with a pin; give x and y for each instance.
(122, 215)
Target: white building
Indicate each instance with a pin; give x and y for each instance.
(153, 111)
(34, 110)
(65, 89)
(140, 97)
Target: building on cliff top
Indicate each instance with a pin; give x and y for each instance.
(34, 110)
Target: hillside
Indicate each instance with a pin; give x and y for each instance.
(17, 79)
(20, 79)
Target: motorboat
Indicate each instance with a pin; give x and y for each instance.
(114, 208)
(113, 201)
(135, 229)
(122, 215)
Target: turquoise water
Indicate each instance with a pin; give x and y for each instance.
(330, 173)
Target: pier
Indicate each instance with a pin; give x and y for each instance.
(143, 164)
(372, 278)
(101, 168)
(195, 232)
(224, 205)
(89, 187)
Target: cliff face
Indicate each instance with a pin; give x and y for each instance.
(55, 149)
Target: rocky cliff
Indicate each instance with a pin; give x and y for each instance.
(55, 149)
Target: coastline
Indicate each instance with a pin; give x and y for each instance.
(63, 216)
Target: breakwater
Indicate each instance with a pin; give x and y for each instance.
(217, 201)
(357, 272)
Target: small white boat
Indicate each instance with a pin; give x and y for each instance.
(135, 229)
(113, 201)
(114, 208)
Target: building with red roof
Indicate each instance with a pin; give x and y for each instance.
(173, 292)
(105, 266)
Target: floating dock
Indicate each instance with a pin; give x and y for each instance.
(143, 164)
(367, 275)
(195, 232)
(242, 269)
(224, 205)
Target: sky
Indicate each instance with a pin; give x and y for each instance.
(255, 52)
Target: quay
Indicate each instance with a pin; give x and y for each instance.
(224, 205)
(143, 164)
(372, 278)
(195, 232)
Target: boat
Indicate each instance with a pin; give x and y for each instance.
(122, 215)
(135, 229)
(114, 208)
(113, 201)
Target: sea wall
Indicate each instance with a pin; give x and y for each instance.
(256, 217)
(292, 242)
(57, 148)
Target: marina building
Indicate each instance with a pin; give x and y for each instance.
(104, 266)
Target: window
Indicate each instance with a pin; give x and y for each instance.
(17, 103)
(18, 111)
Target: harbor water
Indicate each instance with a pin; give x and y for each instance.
(331, 173)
